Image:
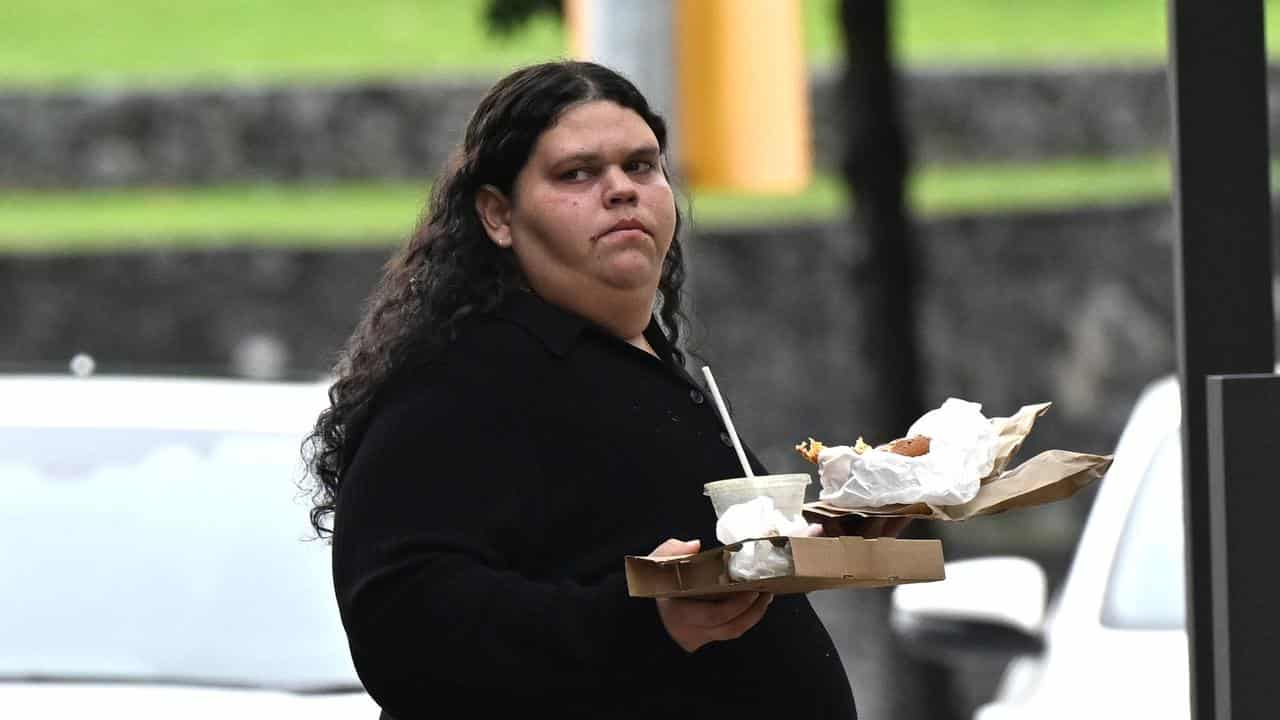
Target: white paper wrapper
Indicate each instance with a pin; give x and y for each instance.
(754, 519)
(962, 450)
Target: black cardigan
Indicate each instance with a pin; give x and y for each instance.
(481, 527)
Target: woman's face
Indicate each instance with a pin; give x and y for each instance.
(591, 212)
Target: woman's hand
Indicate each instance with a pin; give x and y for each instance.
(867, 527)
(694, 622)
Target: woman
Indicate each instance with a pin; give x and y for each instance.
(512, 417)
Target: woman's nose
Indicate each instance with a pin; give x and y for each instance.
(620, 188)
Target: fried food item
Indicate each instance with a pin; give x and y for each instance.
(809, 450)
(913, 446)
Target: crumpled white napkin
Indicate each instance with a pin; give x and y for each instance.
(962, 451)
(756, 518)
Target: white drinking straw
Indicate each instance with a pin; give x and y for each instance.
(724, 415)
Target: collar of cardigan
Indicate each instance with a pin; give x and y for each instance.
(559, 329)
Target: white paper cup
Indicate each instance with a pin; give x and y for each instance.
(787, 492)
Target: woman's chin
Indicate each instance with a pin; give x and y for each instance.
(631, 271)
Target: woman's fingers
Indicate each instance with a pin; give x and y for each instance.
(692, 623)
(887, 526)
(676, 547)
(743, 622)
(714, 613)
(872, 527)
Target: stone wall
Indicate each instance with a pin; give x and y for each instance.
(1073, 307)
(183, 136)
(1070, 307)
(107, 137)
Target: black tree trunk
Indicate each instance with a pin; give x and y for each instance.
(888, 683)
(875, 165)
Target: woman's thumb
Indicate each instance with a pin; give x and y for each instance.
(676, 547)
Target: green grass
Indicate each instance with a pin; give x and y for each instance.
(1007, 32)
(218, 41)
(140, 42)
(344, 214)
(355, 214)
(1054, 183)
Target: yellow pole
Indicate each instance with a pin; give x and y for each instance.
(577, 17)
(743, 95)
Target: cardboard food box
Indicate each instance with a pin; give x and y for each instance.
(819, 563)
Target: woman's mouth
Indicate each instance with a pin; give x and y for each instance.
(629, 224)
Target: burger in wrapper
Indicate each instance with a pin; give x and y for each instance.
(941, 461)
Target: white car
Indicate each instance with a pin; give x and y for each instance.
(154, 559)
(1113, 644)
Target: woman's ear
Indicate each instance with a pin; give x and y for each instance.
(495, 214)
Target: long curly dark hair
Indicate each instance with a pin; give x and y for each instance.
(449, 270)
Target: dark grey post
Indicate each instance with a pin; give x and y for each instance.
(1222, 257)
(1244, 441)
